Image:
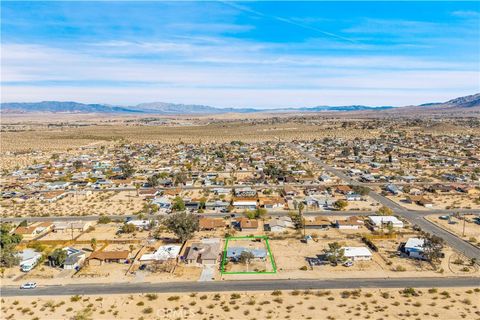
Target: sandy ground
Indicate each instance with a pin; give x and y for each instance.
(434, 303)
(472, 230)
(108, 203)
(457, 201)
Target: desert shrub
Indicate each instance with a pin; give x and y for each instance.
(151, 296)
(407, 292)
(173, 298)
(277, 293)
(400, 268)
(148, 310)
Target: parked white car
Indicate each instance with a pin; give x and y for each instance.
(29, 285)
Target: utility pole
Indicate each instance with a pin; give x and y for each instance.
(463, 225)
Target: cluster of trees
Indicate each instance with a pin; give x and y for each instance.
(255, 214)
(57, 257)
(154, 179)
(432, 248)
(8, 242)
(182, 224)
(361, 190)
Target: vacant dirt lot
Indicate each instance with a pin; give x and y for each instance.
(441, 303)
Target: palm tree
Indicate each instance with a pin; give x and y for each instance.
(93, 243)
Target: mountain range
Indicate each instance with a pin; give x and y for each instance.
(164, 108)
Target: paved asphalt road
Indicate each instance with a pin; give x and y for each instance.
(212, 215)
(239, 286)
(412, 216)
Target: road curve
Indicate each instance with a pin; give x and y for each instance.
(239, 286)
(414, 217)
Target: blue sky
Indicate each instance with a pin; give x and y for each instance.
(240, 54)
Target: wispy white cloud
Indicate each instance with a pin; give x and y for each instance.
(245, 79)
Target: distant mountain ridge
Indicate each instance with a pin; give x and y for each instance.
(461, 102)
(177, 109)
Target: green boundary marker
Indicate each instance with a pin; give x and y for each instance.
(224, 258)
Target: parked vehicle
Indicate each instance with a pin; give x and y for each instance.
(348, 263)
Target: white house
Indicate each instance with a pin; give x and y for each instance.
(380, 221)
(140, 224)
(353, 197)
(245, 204)
(28, 259)
(414, 248)
(163, 253)
(357, 253)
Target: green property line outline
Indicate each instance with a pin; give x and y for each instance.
(224, 258)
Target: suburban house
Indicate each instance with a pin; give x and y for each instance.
(162, 254)
(357, 253)
(148, 193)
(69, 226)
(350, 223)
(217, 206)
(325, 178)
(34, 231)
(162, 203)
(141, 224)
(318, 223)
(420, 200)
(414, 248)
(99, 257)
(204, 252)
(271, 202)
(246, 224)
(289, 191)
(245, 203)
(75, 258)
(278, 225)
(246, 192)
(393, 189)
(234, 253)
(343, 189)
(353, 197)
(52, 196)
(211, 223)
(378, 222)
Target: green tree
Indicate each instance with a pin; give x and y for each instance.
(361, 190)
(335, 253)
(178, 204)
(246, 257)
(432, 248)
(128, 228)
(341, 204)
(104, 220)
(93, 243)
(385, 211)
(8, 242)
(182, 224)
(58, 257)
(297, 220)
(153, 180)
(127, 169)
